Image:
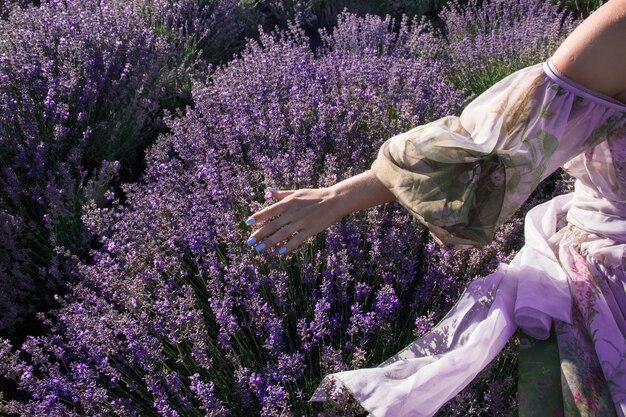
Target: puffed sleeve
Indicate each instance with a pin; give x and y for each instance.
(464, 176)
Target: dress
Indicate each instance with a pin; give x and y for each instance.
(566, 289)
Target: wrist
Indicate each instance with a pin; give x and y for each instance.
(340, 198)
(359, 192)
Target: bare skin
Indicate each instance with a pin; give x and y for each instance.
(594, 55)
(308, 211)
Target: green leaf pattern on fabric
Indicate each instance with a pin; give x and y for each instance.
(465, 176)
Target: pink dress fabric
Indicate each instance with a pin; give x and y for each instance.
(569, 277)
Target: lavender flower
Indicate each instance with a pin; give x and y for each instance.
(175, 315)
(83, 85)
(495, 39)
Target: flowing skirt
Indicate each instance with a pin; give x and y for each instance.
(566, 289)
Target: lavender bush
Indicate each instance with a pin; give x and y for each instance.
(583, 8)
(485, 42)
(174, 315)
(318, 14)
(5, 6)
(83, 85)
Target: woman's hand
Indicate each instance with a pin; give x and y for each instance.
(303, 213)
(298, 215)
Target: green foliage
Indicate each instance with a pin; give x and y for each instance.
(489, 41)
(475, 81)
(581, 8)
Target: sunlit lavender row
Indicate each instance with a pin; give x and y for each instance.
(150, 303)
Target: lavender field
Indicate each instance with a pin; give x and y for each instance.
(136, 136)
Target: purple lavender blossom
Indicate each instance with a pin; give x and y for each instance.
(485, 42)
(83, 85)
(173, 283)
(175, 315)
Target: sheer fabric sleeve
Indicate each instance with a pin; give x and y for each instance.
(464, 176)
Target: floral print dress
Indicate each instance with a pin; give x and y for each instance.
(566, 289)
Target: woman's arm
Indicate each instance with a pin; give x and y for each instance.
(594, 54)
(303, 213)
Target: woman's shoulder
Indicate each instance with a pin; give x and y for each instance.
(594, 54)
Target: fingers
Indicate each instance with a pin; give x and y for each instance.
(282, 224)
(293, 243)
(291, 220)
(272, 211)
(281, 235)
(271, 219)
(280, 194)
(292, 235)
(268, 213)
(278, 223)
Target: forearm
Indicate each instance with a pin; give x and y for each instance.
(300, 214)
(360, 192)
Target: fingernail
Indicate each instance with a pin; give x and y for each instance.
(282, 250)
(250, 221)
(260, 247)
(251, 241)
(272, 189)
